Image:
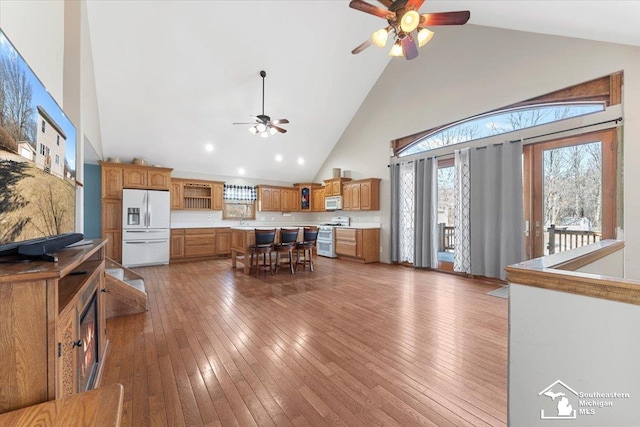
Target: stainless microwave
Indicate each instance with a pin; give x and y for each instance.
(333, 203)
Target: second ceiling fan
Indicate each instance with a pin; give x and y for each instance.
(408, 26)
(263, 124)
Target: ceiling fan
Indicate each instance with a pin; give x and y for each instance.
(407, 25)
(263, 124)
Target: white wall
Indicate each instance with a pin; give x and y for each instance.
(468, 70)
(591, 345)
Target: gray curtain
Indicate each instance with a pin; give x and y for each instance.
(497, 224)
(426, 213)
(395, 212)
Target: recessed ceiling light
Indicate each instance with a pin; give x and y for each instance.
(241, 171)
(209, 147)
(278, 157)
(300, 161)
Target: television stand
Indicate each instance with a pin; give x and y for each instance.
(42, 304)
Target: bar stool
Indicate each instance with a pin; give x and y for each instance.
(288, 240)
(310, 235)
(263, 246)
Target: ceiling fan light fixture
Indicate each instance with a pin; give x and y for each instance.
(264, 134)
(260, 127)
(272, 131)
(424, 36)
(253, 130)
(410, 21)
(396, 49)
(379, 38)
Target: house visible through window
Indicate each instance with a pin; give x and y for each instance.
(43, 126)
(58, 139)
(57, 159)
(42, 152)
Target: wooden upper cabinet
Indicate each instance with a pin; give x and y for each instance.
(333, 187)
(362, 195)
(146, 177)
(289, 200)
(176, 194)
(346, 198)
(317, 200)
(270, 198)
(135, 178)
(158, 179)
(217, 196)
(111, 182)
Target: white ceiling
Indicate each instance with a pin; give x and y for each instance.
(172, 76)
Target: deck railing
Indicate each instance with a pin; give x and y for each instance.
(447, 238)
(562, 240)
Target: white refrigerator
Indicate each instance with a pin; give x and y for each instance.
(146, 217)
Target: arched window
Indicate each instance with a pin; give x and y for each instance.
(500, 122)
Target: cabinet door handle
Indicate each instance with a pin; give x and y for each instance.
(76, 343)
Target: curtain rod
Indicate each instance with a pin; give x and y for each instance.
(619, 119)
(616, 120)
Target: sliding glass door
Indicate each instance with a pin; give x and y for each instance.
(570, 192)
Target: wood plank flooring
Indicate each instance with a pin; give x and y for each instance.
(349, 344)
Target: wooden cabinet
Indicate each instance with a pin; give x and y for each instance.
(112, 227)
(289, 200)
(146, 178)
(217, 195)
(175, 191)
(199, 243)
(362, 244)
(317, 200)
(115, 177)
(223, 241)
(112, 184)
(333, 187)
(42, 303)
(361, 195)
(193, 194)
(176, 248)
(269, 198)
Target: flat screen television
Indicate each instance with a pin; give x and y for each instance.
(37, 158)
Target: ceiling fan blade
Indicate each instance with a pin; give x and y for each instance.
(387, 3)
(362, 47)
(414, 4)
(279, 129)
(371, 9)
(444, 18)
(279, 121)
(243, 123)
(409, 48)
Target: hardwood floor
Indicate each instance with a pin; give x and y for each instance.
(349, 344)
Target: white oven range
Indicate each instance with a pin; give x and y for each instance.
(326, 242)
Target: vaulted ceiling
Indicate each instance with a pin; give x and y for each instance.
(172, 76)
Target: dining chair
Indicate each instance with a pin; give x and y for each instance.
(263, 245)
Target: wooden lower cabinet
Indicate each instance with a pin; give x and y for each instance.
(223, 241)
(199, 242)
(188, 244)
(362, 244)
(176, 248)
